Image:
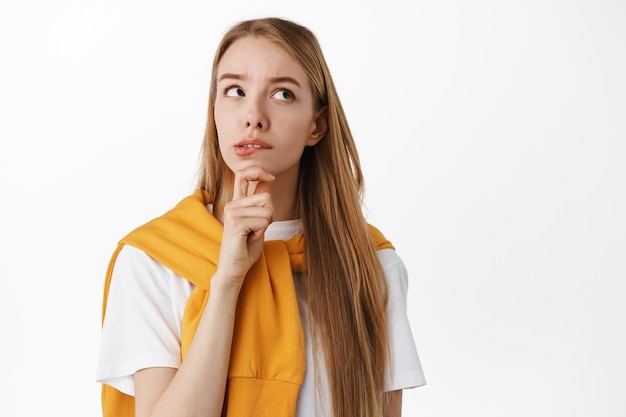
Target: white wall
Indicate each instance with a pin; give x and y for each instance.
(493, 141)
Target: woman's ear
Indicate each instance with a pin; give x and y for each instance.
(320, 127)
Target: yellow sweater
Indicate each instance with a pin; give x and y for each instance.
(268, 354)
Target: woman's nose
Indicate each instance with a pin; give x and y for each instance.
(259, 124)
(256, 115)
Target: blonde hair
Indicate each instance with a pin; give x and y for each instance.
(347, 292)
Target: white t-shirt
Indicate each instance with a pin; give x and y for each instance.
(145, 307)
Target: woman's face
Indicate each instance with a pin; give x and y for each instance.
(264, 108)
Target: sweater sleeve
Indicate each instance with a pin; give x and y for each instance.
(141, 328)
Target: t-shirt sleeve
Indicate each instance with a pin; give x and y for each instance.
(405, 370)
(141, 328)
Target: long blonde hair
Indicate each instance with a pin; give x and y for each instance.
(347, 292)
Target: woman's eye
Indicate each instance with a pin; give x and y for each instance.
(283, 95)
(234, 92)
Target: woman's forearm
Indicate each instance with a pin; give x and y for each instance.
(198, 387)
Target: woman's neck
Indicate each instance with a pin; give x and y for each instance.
(283, 191)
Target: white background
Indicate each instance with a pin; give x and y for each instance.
(492, 136)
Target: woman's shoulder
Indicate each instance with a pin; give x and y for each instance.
(136, 265)
(390, 259)
(132, 257)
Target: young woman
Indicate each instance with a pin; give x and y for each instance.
(265, 293)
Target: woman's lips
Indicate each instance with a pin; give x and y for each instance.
(249, 146)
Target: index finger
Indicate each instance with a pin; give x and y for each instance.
(245, 177)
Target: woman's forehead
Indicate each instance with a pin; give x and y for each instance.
(258, 57)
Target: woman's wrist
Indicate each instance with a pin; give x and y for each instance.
(224, 283)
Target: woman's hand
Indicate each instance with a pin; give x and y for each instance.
(198, 386)
(246, 218)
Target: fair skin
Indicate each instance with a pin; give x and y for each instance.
(265, 118)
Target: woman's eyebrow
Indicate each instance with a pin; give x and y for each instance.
(285, 80)
(273, 80)
(230, 76)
